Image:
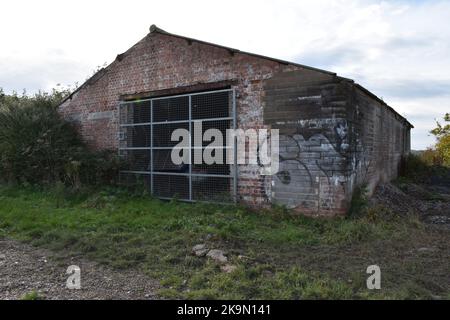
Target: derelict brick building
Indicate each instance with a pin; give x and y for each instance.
(334, 134)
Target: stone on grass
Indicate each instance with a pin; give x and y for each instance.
(228, 268)
(200, 250)
(217, 255)
(425, 249)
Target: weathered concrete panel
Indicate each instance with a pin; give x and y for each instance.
(383, 140)
(333, 139)
(310, 110)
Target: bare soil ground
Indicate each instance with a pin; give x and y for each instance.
(25, 269)
(430, 202)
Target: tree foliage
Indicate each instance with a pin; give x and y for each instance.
(442, 134)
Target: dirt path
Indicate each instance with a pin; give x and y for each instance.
(24, 269)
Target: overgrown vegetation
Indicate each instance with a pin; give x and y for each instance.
(285, 256)
(422, 168)
(38, 147)
(431, 166)
(434, 160)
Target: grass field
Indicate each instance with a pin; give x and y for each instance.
(286, 256)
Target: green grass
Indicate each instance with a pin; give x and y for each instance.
(290, 257)
(32, 295)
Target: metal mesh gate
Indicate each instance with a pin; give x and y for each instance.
(145, 144)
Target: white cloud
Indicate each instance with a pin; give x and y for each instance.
(400, 50)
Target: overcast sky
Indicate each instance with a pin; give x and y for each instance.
(400, 50)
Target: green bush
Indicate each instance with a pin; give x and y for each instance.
(37, 146)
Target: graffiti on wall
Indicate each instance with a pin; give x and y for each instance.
(315, 165)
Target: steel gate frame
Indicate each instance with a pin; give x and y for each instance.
(233, 172)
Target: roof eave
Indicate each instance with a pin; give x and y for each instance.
(372, 95)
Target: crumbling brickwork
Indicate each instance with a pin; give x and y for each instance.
(320, 116)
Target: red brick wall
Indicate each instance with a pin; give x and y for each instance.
(160, 62)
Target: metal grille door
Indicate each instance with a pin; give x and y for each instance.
(146, 128)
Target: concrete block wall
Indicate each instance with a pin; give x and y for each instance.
(311, 110)
(382, 140)
(334, 138)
